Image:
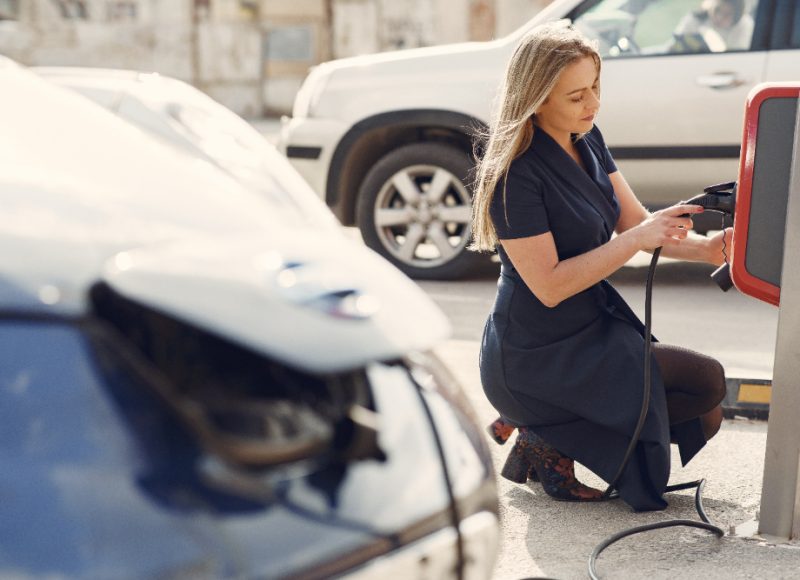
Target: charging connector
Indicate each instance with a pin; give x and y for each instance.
(720, 198)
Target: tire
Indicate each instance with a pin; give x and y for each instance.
(414, 208)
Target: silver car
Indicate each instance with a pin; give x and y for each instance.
(197, 380)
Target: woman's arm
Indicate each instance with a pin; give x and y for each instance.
(553, 281)
(694, 247)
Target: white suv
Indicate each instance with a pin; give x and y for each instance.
(387, 139)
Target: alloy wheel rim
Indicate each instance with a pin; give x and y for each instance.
(423, 216)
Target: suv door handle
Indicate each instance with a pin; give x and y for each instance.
(721, 80)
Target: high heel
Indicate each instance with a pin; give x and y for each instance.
(517, 467)
(500, 431)
(555, 471)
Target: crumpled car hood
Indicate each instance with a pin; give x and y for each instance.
(316, 303)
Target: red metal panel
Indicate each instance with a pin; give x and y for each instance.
(742, 279)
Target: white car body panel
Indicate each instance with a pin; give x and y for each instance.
(628, 118)
(627, 115)
(155, 104)
(313, 132)
(461, 78)
(172, 230)
(782, 65)
(312, 301)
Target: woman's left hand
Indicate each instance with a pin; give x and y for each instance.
(719, 247)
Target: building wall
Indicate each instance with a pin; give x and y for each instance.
(229, 65)
(100, 33)
(297, 35)
(355, 28)
(251, 55)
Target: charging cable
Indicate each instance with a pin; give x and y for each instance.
(699, 484)
(720, 198)
(455, 517)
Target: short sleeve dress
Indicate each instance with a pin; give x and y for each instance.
(574, 373)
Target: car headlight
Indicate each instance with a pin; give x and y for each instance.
(307, 98)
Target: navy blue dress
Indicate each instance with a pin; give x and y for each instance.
(574, 373)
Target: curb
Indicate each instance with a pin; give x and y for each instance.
(747, 398)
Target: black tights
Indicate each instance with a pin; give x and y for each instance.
(694, 385)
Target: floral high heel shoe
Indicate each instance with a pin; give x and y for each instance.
(532, 458)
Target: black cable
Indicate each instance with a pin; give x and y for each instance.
(706, 523)
(454, 513)
(648, 336)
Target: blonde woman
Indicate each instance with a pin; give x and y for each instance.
(561, 356)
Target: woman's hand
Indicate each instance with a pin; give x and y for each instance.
(665, 227)
(719, 247)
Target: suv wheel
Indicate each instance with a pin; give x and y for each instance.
(414, 208)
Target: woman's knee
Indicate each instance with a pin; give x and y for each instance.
(717, 388)
(709, 381)
(711, 421)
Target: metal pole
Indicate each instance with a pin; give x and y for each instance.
(779, 516)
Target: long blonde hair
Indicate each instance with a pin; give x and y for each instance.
(534, 68)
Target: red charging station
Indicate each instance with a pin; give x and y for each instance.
(762, 192)
(766, 265)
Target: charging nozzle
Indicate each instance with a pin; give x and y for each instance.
(720, 197)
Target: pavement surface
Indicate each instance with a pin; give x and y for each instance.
(545, 538)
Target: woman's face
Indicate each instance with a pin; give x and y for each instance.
(574, 101)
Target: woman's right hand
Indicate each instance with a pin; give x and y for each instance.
(665, 227)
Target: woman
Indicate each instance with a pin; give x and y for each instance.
(561, 356)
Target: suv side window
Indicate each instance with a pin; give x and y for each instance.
(625, 28)
(795, 40)
(786, 26)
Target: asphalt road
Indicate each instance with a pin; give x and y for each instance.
(541, 537)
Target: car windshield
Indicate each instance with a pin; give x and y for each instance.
(234, 145)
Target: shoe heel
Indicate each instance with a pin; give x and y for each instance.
(500, 431)
(517, 467)
(555, 471)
